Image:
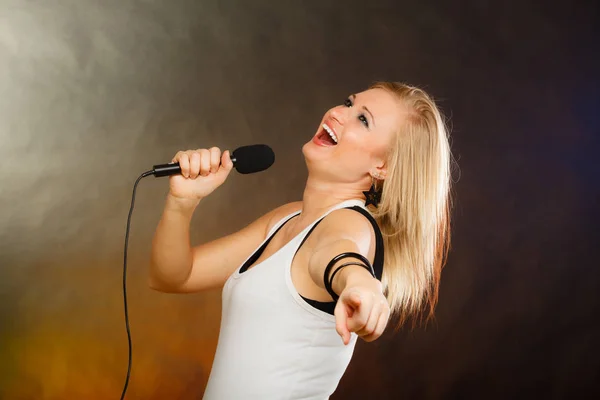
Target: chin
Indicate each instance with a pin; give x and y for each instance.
(317, 161)
(312, 152)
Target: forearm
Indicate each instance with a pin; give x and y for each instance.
(171, 254)
(353, 276)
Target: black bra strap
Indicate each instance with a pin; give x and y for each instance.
(379, 251)
(308, 233)
(262, 248)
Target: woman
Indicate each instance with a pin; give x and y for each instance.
(306, 272)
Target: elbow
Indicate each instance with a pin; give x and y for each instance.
(160, 285)
(166, 278)
(152, 284)
(155, 284)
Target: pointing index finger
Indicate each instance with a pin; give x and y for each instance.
(341, 325)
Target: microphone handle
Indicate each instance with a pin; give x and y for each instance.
(172, 169)
(166, 169)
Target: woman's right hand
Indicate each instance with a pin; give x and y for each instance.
(202, 171)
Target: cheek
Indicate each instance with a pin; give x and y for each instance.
(380, 148)
(357, 138)
(363, 148)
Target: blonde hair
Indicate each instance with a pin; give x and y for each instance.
(414, 212)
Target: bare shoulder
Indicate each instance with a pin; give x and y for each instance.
(343, 230)
(345, 224)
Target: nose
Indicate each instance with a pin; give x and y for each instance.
(339, 114)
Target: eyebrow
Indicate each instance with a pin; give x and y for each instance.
(353, 96)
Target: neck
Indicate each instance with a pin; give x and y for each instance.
(319, 196)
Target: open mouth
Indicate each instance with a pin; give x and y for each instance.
(326, 136)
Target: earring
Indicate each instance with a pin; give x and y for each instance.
(373, 196)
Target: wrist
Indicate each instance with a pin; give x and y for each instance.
(181, 204)
(354, 275)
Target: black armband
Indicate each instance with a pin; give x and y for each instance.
(327, 280)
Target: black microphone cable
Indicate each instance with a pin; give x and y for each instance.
(246, 160)
(145, 174)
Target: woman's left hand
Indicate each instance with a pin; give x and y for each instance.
(363, 310)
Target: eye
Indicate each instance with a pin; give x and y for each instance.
(348, 102)
(364, 120)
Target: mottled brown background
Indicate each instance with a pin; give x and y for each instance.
(93, 93)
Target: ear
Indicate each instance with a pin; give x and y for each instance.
(379, 173)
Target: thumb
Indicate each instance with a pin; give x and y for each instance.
(354, 300)
(226, 165)
(341, 321)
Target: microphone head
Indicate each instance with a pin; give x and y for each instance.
(252, 158)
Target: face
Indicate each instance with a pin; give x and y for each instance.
(353, 139)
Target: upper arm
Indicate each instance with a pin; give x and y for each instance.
(213, 262)
(341, 231)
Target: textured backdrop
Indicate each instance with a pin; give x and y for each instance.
(93, 93)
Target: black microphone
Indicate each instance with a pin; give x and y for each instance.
(246, 160)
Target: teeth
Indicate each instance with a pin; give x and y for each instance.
(330, 131)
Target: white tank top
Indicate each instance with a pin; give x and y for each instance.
(272, 343)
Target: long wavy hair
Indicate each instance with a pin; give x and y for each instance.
(414, 212)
